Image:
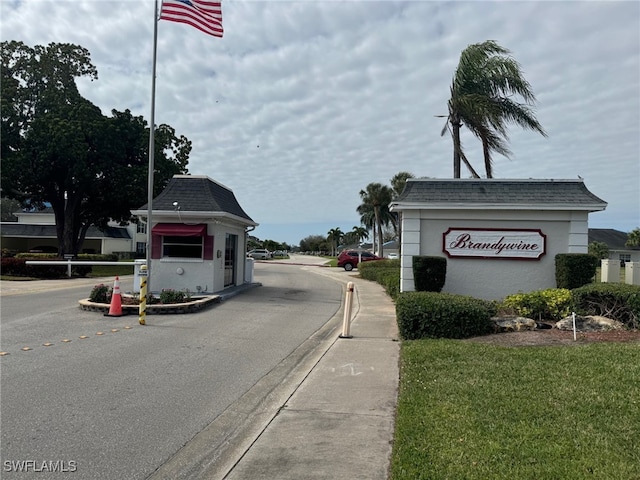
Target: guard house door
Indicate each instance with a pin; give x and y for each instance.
(231, 245)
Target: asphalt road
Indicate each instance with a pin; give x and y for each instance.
(122, 402)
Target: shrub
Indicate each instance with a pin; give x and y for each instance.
(384, 272)
(169, 296)
(619, 301)
(50, 271)
(442, 315)
(391, 283)
(554, 303)
(371, 270)
(429, 273)
(100, 294)
(573, 270)
(15, 267)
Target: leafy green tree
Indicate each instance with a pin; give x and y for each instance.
(272, 245)
(599, 250)
(633, 238)
(377, 197)
(61, 150)
(253, 243)
(333, 237)
(483, 85)
(313, 243)
(9, 207)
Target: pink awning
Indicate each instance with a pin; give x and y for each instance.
(180, 229)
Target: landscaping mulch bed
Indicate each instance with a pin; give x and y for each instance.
(553, 336)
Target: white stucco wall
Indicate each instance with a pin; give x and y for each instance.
(110, 245)
(197, 274)
(566, 232)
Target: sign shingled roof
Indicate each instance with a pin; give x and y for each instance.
(517, 193)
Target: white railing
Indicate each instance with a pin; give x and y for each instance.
(70, 262)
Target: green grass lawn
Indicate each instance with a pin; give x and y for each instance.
(476, 411)
(110, 270)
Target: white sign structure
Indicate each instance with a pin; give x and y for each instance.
(494, 243)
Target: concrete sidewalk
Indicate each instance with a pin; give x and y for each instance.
(339, 422)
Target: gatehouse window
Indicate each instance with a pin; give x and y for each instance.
(184, 247)
(178, 240)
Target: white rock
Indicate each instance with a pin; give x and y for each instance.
(513, 324)
(590, 323)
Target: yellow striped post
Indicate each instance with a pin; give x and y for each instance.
(142, 309)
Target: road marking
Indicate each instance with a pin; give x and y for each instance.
(65, 340)
(352, 369)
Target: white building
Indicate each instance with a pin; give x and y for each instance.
(499, 236)
(199, 236)
(36, 232)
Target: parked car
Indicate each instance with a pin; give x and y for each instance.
(393, 256)
(259, 253)
(348, 259)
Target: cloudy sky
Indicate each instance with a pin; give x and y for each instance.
(304, 103)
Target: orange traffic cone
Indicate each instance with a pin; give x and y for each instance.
(115, 309)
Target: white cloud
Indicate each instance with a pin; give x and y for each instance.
(302, 104)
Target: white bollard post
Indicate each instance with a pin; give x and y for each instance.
(573, 314)
(346, 320)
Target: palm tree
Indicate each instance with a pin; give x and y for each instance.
(482, 85)
(633, 238)
(360, 233)
(368, 219)
(398, 182)
(377, 197)
(334, 235)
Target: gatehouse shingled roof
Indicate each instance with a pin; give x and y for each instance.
(197, 193)
(523, 194)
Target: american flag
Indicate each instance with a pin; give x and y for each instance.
(203, 15)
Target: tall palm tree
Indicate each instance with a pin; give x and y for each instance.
(378, 197)
(368, 219)
(481, 90)
(334, 235)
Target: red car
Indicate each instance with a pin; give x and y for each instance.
(349, 259)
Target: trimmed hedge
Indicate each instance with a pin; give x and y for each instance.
(384, 272)
(442, 315)
(573, 270)
(619, 301)
(429, 273)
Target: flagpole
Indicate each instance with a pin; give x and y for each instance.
(151, 146)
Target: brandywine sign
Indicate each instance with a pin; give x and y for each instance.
(494, 243)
